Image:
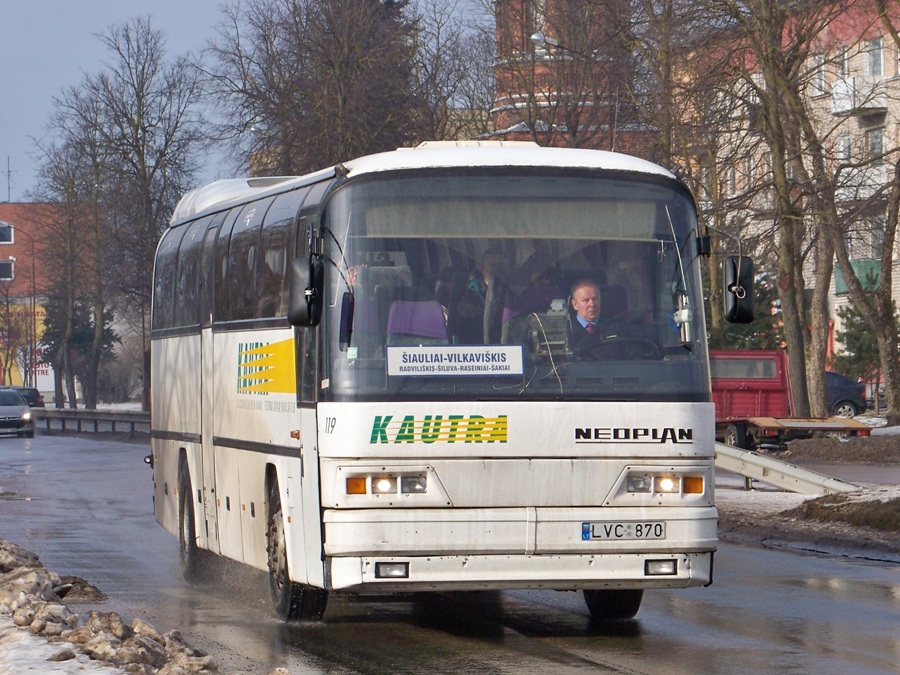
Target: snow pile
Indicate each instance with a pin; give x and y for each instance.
(32, 597)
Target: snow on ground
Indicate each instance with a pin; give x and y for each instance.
(22, 652)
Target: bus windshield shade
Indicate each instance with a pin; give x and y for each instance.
(513, 286)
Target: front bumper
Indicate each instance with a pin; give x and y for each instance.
(502, 572)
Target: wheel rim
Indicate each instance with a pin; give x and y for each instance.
(845, 410)
(731, 437)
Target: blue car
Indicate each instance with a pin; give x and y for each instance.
(845, 397)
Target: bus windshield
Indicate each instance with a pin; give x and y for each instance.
(508, 285)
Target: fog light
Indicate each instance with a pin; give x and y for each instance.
(386, 485)
(413, 484)
(665, 484)
(660, 568)
(391, 570)
(639, 484)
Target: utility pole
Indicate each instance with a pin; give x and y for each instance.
(9, 174)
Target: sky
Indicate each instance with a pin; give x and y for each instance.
(47, 46)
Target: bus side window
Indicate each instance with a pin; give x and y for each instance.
(242, 252)
(221, 312)
(186, 278)
(207, 270)
(275, 244)
(163, 285)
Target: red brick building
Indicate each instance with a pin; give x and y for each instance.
(22, 294)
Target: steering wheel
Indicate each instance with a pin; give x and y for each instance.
(625, 349)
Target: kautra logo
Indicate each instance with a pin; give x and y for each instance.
(435, 428)
(264, 368)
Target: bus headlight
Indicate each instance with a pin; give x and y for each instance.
(664, 483)
(640, 484)
(413, 484)
(387, 485)
(384, 485)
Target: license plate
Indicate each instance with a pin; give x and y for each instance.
(637, 529)
(8, 430)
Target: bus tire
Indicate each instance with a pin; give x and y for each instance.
(736, 436)
(190, 555)
(292, 601)
(612, 605)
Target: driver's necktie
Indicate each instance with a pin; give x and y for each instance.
(591, 328)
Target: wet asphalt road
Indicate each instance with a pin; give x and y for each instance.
(84, 506)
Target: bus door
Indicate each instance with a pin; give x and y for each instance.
(207, 403)
(307, 499)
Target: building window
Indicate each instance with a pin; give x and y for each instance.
(819, 85)
(874, 58)
(843, 149)
(848, 243)
(6, 232)
(878, 239)
(843, 65)
(706, 180)
(875, 143)
(7, 273)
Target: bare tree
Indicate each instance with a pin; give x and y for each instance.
(564, 70)
(152, 130)
(307, 83)
(14, 331)
(62, 254)
(453, 59)
(775, 57)
(128, 139)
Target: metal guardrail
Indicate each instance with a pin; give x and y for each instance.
(96, 421)
(775, 472)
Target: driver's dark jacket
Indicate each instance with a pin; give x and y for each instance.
(583, 342)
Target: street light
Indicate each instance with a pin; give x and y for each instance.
(32, 351)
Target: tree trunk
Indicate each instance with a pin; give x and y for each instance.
(818, 336)
(70, 380)
(93, 366)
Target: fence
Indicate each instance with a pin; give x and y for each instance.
(96, 421)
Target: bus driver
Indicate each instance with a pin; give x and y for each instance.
(587, 328)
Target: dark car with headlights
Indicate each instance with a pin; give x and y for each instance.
(16, 416)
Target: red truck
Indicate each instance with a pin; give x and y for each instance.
(754, 404)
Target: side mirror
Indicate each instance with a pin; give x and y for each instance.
(306, 287)
(737, 274)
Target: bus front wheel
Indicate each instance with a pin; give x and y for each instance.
(292, 601)
(610, 605)
(190, 555)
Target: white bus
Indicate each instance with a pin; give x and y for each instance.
(370, 380)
